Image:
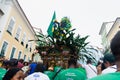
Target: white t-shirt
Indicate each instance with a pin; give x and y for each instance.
(37, 76)
(37, 58)
(91, 70)
(25, 68)
(110, 69)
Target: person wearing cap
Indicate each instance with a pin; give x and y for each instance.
(109, 62)
(115, 49)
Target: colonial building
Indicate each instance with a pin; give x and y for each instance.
(16, 31)
(108, 32)
(106, 26)
(114, 29)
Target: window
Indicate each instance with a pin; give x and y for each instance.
(19, 55)
(10, 26)
(12, 53)
(30, 47)
(26, 43)
(23, 39)
(18, 33)
(24, 57)
(26, 46)
(4, 46)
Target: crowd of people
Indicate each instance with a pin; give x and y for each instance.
(107, 69)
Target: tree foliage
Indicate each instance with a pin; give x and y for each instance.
(64, 36)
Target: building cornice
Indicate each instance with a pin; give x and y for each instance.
(104, 25)
(112, 26)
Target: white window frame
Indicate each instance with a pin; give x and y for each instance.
(6, 47)
(12, 18)
(26, 42)
(18, 54)
(24, 57)
(11, 51)
(23, 38)
(20, 28)
(30, 46)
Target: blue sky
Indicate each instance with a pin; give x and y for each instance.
(86, 16)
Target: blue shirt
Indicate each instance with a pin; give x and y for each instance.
(32, 68)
